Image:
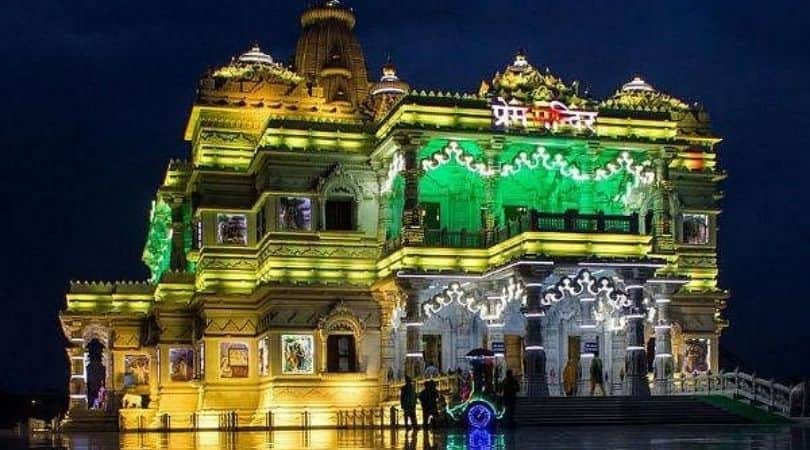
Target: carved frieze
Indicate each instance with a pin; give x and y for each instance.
(229, 138)
(319, 251)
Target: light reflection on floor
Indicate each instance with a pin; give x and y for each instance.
(605, 437)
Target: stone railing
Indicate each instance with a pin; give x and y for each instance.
(570, 221)
(773, 396)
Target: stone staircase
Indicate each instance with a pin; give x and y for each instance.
(79, 419)
(621, 410)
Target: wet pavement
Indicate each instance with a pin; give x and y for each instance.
(603, 437)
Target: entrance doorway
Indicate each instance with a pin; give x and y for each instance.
(96, 372)
(432, 343)
(513, 354)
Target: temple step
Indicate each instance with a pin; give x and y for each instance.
(621, 410)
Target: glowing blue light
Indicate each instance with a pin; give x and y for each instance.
(480, 415)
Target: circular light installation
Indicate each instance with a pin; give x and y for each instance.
(480, 415)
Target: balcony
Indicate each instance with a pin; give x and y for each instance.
(568, 222)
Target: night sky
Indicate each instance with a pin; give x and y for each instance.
(96, 94)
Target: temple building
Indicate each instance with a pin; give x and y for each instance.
(331, 233)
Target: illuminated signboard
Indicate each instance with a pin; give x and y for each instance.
(551, 117)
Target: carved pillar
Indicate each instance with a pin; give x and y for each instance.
(384, 216)
(412, 231)
(662, 212)
(587, 204)
(414, 355)
(588, 327)
(178, 256)
(663, 363)
(535, 353)
(388, 302)
(635, 360)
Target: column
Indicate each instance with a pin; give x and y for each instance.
(178, 254)
(635, 359)
(492, 147)
(535, 353)
(587, 201)
(412, 231)
(662, 217)
(384, 218)
(663, 363)
(387, 301)
(587, 351)
(414, 355)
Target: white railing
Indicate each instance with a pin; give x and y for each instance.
(768, 394)
(773, 396)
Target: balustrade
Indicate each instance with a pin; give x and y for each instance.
(570, 222)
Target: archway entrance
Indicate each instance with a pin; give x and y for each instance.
(96, 373)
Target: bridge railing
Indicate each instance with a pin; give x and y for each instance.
(769, 394)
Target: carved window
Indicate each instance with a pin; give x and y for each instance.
(340, 212)
(340, 353)
(294, 214)
(695, 229)
(232, 229)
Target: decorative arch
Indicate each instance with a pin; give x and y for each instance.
(341, 322)
(584, 283)
(454, 152)
(338, 184)
(487, 308)
(99, 332)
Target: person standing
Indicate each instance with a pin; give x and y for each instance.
(511, 387)
(407, 400)
(597, 375)
(570, 376)
(429, 399)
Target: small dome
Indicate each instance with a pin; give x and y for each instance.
(637, 84)
(521, 63)
(389, 81)
(255, 56)
(638, 95)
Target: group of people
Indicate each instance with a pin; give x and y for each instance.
(571, 374)
(430, 399)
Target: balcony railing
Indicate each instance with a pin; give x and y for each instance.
(570, 222)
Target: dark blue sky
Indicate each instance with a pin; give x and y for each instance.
(96, 93)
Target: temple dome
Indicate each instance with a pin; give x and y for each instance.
(255, 56)
(329, 54)
(638, 95)
(523, 82)
(389, 81)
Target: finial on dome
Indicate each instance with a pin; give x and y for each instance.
(389, 70)
(520, 60)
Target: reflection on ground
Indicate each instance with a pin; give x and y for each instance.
(605, 437)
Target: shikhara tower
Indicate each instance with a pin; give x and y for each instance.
(330, 233)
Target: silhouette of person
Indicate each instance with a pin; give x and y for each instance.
(407, 400)
(429, 398)
(511, 387)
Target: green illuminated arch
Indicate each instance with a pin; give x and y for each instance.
(453, 191)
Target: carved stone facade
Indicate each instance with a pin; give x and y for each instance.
(330, 234)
